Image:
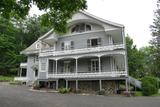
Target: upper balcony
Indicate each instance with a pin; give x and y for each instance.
(52, 52)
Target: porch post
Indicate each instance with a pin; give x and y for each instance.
(126, 84)
(99, 58)
(100, 84)
(125, 64)
(67, 84)
(76, 85)
(20, 72)
(56, 65)
(56, 84)
(76, 65)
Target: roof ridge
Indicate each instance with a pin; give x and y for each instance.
(101, 19)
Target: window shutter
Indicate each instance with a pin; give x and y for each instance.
(99, 41)
(88, 43)
(62, 46)
(72, 45)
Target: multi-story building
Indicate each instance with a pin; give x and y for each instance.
(90, 56)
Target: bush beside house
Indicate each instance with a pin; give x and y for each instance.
(149, 86)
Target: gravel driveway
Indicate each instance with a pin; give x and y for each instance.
(20, 96)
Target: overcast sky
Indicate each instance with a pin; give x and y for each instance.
(135, 15)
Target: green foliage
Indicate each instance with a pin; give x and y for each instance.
(101, 92)
(149, 86)
(9, 47)
(6, 79)
(64, 90)
(155, 42)
(138, 93)
(135, 59)
(57, 12)
(15, 36)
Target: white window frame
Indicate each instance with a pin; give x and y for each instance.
(37, 45)
(66, 64)
(96, 67)
(84, 28)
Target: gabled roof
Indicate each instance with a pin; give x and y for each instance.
(49, 32)
(30, 48)
(100, 19)
(89, 15)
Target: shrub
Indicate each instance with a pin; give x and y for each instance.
(149, 86)
(101, 92)
(64, 90)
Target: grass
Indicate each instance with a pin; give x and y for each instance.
(6, 78)
(15, 83)
(138, 93)
(158, 94)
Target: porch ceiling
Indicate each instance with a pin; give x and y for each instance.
(116, 35)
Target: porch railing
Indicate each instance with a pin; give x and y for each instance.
(89, 75)
(51, 52)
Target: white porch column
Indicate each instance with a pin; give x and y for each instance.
(100, 85)
(125, 63)
(56, 65)
(67, 84)
(126, 84)
(76, 65)
(20, 73)
(56, 84)
(99, 60)
(76, 85)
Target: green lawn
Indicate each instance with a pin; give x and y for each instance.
(139, 93)
(6, 78)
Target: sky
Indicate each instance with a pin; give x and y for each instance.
(135, 15)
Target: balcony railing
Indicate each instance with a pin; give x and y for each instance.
(89, 75)
(51, 52)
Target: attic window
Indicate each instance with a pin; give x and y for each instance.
(37, 46)
(82, 27)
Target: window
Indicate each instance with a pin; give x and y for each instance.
(94, 42)
(82, 27)
(43, 66)
(67, 45)
(36, 59)
(23, 72)
(93, 65)
(88, 27)
(36, 72)
(37, 46)
(67, 66)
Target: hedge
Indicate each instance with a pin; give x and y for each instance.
(149, 86)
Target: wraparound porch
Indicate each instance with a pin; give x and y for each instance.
(111, 65)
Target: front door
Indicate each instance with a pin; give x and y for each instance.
(94, 65)
(67, 67)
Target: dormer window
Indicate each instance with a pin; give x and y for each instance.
(82, 27)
